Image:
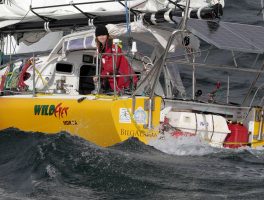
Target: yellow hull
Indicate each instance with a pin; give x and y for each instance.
(104, 121)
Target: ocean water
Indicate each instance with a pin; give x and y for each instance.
(61, 166)
(37, 166)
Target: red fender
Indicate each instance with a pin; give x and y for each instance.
(23, 75)
(3, 78)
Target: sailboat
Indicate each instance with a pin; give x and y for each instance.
(55, 92)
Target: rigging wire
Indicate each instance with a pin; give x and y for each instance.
(254, 96)
(25, 14)
(10, 37)
(127, 18)
(262, 8)
(128, 21)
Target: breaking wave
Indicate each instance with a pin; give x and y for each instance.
(182, 146)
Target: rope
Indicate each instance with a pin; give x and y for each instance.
(40, 76)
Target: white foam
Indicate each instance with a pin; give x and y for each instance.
(184, 145)
(257, 152)
(51, 171)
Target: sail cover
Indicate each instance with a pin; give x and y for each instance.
(16, 11)
(13, 12)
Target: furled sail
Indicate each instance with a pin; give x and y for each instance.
(66, 13)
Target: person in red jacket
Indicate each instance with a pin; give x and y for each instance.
(126, 77)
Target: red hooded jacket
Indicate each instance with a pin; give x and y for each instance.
(122, 67)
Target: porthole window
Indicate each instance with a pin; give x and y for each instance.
(64, 68)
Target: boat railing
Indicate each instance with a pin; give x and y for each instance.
(143, 74)
(11, 88)
(10, 63)
(229, 70)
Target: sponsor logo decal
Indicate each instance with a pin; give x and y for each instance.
(140, 116)
(124, 115)
(58, 111)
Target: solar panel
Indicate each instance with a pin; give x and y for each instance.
(228, 36)
(254, 34)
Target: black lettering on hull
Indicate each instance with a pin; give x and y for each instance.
(137, 133)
